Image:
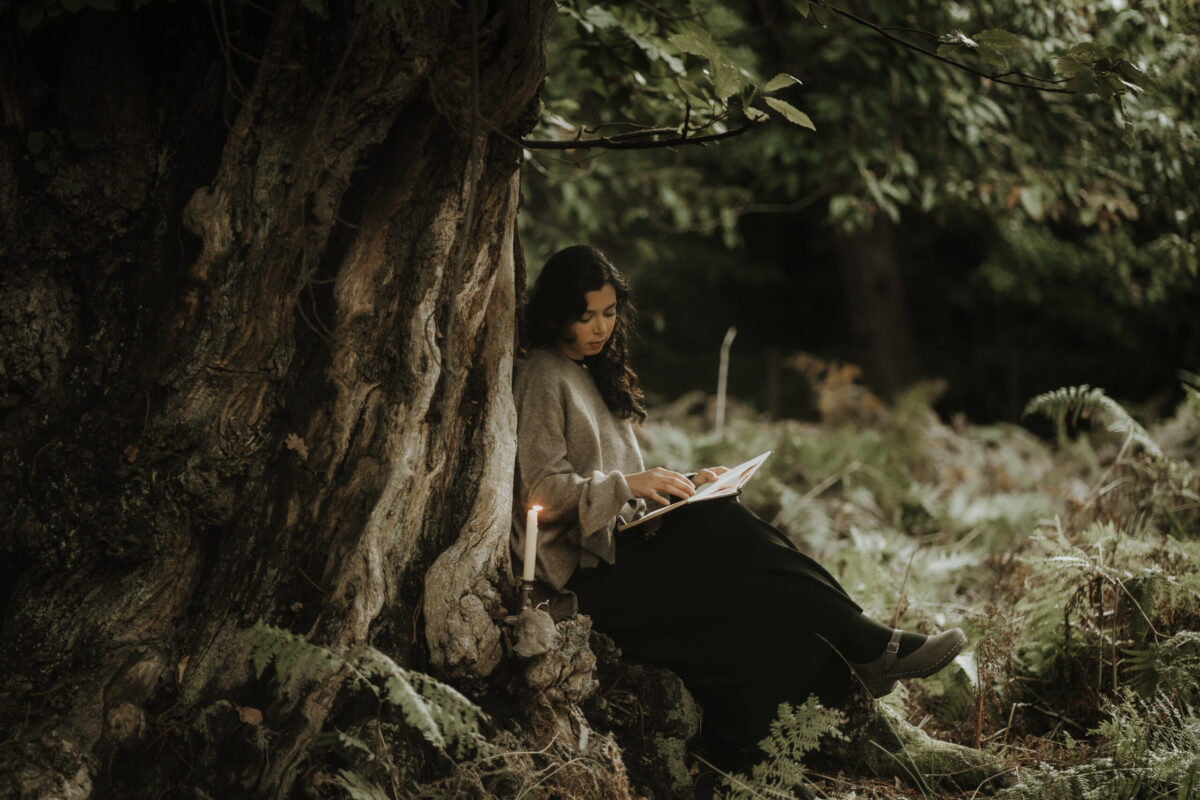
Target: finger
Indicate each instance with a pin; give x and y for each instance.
(672, 475)
(680, 488)
(680, 480)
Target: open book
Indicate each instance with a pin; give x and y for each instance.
(730, 483)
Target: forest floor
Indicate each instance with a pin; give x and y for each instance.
(1073, 566)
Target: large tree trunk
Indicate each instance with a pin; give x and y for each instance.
(230, 388)
(878, 313)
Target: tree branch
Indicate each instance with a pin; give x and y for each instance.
(885, 33)
(628, 141)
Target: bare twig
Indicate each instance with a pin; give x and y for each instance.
(887, 34)
(621, 141)
(1029, 77)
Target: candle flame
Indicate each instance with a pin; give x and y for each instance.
(535, 508)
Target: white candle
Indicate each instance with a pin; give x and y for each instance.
(530, 543)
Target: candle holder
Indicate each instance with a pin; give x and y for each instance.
(526, 595)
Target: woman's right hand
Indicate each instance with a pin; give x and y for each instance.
(654, 484)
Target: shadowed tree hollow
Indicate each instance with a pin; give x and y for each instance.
(257, 286)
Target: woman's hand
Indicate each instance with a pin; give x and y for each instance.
(708, 475)
(654, 484)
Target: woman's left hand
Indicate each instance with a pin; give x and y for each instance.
(707, 475)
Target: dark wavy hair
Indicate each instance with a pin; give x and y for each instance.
(558, 299)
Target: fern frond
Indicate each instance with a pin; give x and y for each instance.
(1151, 747)
(1080, 401)
(794, 733)
(446, 718)
(359, 787)
(296, 660)
(345, 744)
(1173, 665)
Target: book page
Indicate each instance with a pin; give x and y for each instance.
(732, 480)
(729, 483)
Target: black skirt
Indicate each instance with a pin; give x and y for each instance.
(724, 600)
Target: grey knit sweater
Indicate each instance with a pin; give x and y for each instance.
(572, 458)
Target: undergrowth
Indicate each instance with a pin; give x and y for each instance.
(795, 732)
(372, 758)
(1073, 565)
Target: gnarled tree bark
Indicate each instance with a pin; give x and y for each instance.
(227, 237)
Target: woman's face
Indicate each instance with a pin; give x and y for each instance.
(587, 335)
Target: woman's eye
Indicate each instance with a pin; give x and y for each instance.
(610, 314)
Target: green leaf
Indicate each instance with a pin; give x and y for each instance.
(1085, 81)
(1069, 66)
(802, 7)
(992, 56)
(567, 11)
(654, 51)
(1032, 202)
(822, 15)
(780, 81)
(1087, 52)
(600, 17)
(1133, 87)
(723, 75)
(755, 114)
(790, 113)
(696, 41)
(726, 80)
(999, 39)
(693, 92)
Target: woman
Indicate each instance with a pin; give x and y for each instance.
(711, 592)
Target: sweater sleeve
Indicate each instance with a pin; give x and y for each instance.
(570, 494)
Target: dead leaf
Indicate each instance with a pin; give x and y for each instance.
(296, 444)
(250, 716)
(180, 669)
(131, 453)
(1014, 195)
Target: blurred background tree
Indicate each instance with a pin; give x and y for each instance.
(1009, 233)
